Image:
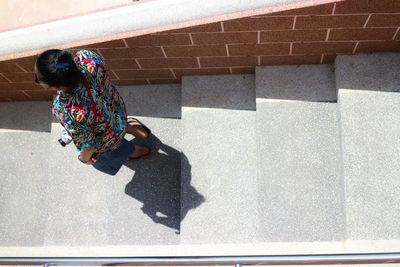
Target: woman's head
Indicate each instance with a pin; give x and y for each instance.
(56, 68)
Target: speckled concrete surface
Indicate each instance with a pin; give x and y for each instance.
(299, 164)
(25, 116)
(159, 101)
(24, 175)
(370, 115)
(301, 82)
(90, 208)
(301, 186)
(219, 91)
(220, 146)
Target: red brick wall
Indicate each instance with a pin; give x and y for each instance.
(313, 35)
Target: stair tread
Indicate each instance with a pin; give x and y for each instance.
(371, 143)
(301, 187)
(220, 147)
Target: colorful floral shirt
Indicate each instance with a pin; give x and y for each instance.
(74, 109)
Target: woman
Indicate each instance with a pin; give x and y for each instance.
(90, 108)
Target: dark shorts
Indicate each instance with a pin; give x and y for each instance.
(110, 162)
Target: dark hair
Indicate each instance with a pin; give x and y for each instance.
(57, 68)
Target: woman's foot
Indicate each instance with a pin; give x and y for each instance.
(137, 129)
(140, 152)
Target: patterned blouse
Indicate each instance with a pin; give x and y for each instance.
(74, 109)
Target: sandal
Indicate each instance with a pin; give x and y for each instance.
(146, 129)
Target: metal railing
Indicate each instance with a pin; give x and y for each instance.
(237, 261)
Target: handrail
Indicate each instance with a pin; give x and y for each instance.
(368, 258)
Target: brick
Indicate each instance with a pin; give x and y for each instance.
(259, 24)
(164, 81)
(9, 67)
(243, 70)
(42, 95)
(323, 47)
(212, 27)
(329, 59)
(143, 74)
(211, 71)
(259, 49)
(362, 34)
(24, 86)
(130, 82)
(162, 63)
(19, 76)
(118, 64)
(290, 60)
(378, 46)
(228, 61)
(14, 95)
(196, 51)
(313, 10)
(109, 44)
(159, 40)
(293, 36)
(367, 6)
(225, 38)
(138, 52)
(332, 21)
(384, 20)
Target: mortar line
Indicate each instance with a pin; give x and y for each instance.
(366, 22)
(396, 33)
(125, 43)
(327, 35)
(334, 8)
(137, 62)
(162, 49)
(2, 75)
(294, 22)
(115, 74)
(191, 38)
(173, 73)
(21, 67)
(25, 93)
(355, 47)
(322, 59)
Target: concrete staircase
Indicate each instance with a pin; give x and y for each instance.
(290, 155)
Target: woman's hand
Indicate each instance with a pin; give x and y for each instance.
(86, 156)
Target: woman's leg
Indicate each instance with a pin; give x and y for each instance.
(140, 151)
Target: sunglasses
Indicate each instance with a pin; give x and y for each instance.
(36, 79)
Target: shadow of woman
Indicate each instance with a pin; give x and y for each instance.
(162, 183)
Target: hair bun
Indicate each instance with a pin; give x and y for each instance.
(63, 61)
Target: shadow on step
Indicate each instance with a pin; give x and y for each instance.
(158, 182)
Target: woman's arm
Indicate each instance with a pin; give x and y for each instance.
(86, 155)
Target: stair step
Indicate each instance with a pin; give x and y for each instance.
(370, 115)
(25, 116)
(24, 175)
(218, 121)
(301, 82)
(157, 101)
(299, 172)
